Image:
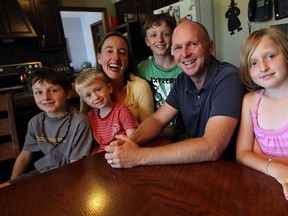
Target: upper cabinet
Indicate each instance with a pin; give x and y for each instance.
(45, 17)
(138, 9)
(13, 21)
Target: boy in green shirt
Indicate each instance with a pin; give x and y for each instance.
(160, 70)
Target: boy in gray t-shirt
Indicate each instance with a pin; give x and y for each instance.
(60, 132)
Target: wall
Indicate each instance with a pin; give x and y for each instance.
(228, 46)
(87, 20)
(75, 41)
(79, 38)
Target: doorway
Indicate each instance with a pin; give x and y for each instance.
(83, 29)
(97, 30)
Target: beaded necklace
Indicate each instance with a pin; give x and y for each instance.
(57, 140)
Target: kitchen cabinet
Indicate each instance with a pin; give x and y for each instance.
(13, 22)
(138, 48)
(46, 19)
(138, 9)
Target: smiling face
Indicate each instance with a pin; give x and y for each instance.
(267, 65)
(97, 95)
(114, 57)
(51, 98)
(158, 38)
(192, 49)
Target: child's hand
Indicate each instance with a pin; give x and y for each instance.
(280, 172)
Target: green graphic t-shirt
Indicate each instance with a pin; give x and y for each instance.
(160, 80)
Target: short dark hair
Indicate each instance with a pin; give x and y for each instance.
(51, 76)
(130, 67)
(157, 19)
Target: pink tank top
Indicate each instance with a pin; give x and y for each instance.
(272, 142)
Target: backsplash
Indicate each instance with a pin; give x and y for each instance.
(27, 50)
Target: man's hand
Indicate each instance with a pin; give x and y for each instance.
(122, 153)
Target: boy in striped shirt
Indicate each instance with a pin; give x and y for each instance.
(107, 117)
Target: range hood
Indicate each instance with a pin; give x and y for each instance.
(14, 23)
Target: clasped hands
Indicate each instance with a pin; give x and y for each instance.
(122, 152)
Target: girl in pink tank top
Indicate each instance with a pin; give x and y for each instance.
(262, 142)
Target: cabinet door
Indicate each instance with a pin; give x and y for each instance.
(49, 25)
(13, 22)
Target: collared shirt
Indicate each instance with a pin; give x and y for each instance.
(221, 95)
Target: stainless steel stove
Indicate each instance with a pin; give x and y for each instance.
(13, 77)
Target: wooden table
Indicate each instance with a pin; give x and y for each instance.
(91, 187)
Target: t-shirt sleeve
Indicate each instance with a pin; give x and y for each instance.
(31, 142)
(83, 140)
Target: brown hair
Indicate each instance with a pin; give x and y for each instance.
(49, 75)
(251, 42)
(156, 20)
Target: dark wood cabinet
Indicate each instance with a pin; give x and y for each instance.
(138, 48)
(132, 14)
(46, 19)
(138, 9)
(13, 21)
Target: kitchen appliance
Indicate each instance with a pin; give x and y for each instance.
(201, 11)
(13, 77)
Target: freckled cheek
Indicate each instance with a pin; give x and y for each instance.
(254, 75)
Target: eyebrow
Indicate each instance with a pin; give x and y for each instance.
(111, 47)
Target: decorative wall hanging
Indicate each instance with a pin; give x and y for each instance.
(232, 15)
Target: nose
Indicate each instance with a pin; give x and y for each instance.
(185, 50)
(96, 96)
(263, 66)
(46, 95)
(115, 55)
(159, 37)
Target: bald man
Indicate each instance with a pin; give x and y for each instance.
(208, 95)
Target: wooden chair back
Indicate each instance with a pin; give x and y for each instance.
(9, 143)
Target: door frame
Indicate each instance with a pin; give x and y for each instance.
(103, 11)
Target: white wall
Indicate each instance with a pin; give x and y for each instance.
(228, 46)
(75, 41)
(87, 20)
(79, 38)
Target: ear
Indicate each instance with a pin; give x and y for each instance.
(99, 58)
(211, 47)
(110, 87)
(147, 42)
(68, 94)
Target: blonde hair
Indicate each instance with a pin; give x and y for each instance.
(87, 77)
(252, 41)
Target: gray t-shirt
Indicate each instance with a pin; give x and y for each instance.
(77, 144)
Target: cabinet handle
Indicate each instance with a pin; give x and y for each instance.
(43, 40)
